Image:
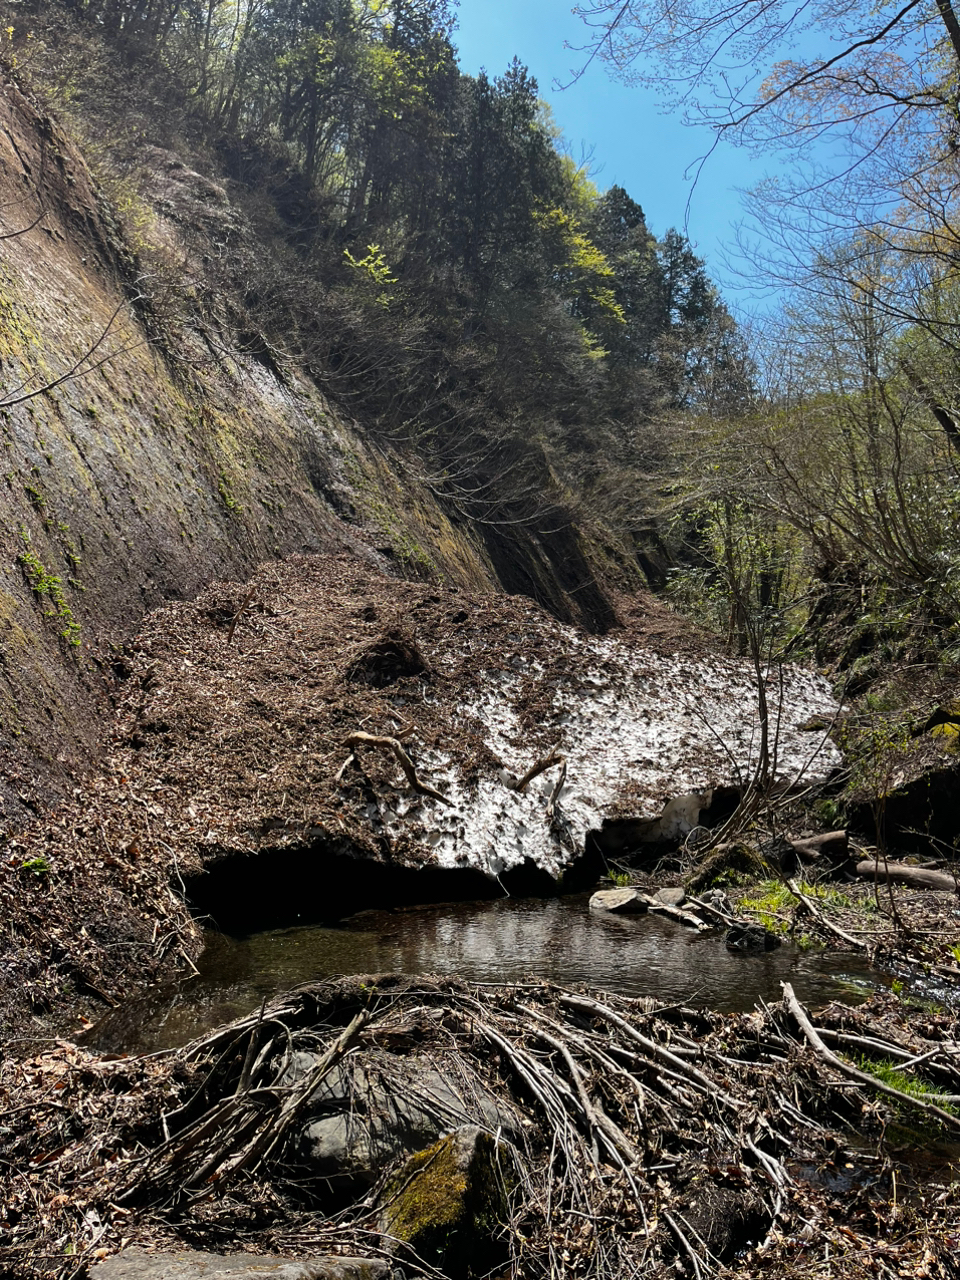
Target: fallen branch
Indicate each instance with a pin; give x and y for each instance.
(854, 1073)
(406, 764)
(821, 919)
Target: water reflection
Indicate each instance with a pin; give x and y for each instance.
(501, 941)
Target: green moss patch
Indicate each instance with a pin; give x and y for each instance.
(449, 1203)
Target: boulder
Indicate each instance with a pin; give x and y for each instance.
(449, 1204)
(370, 1112)
(620, 902)
(671, 897)
(190, 1264)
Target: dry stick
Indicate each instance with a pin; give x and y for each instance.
(724, 916)
(545, 762)
(862, 1077)
(406, 764)
(886, 1047)
(585, 1045)
(821, 918)
(688, 1073)
(236, 617)
(172, 1154)
(344, 767)
(620, 1145)
(244, 1084)
(699, 1266)
(913, 877)
(555, 793)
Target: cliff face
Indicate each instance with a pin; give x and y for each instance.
(150, 445)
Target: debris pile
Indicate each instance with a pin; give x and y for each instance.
(327, 704)
(628, 1139)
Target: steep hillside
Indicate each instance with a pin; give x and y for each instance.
(151, 445)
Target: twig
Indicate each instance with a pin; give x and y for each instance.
(406, 764)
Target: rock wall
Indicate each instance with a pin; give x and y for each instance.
(149, 446)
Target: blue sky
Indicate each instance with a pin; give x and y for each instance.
(650, 154)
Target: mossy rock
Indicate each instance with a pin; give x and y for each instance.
(449, 1204)
(727, 864)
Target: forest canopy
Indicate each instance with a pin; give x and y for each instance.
(443, 266)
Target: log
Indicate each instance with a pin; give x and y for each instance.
(901, 873)
(833, 845)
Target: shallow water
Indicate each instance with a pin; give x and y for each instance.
(500, 941)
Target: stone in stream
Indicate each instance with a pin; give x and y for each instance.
(450, 1203)
(620, 902)
(671, 897)
(190, 1264)
(753, 939)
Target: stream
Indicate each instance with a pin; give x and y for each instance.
(496, 942)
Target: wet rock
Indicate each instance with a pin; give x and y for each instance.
(671, 897)
(366, 1115)
(189, 1264)
(717, 899)
(751, 938)
(620, 902)
(449, 1204)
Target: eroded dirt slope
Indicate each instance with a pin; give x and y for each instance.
(151, 443)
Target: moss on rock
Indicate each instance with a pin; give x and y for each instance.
(727, 864)
(449, 1203)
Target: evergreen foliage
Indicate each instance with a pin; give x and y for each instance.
(440, 265)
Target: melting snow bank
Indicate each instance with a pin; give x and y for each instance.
(240, 705)
(640, 733)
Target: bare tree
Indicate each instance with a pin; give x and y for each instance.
(859, 102)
